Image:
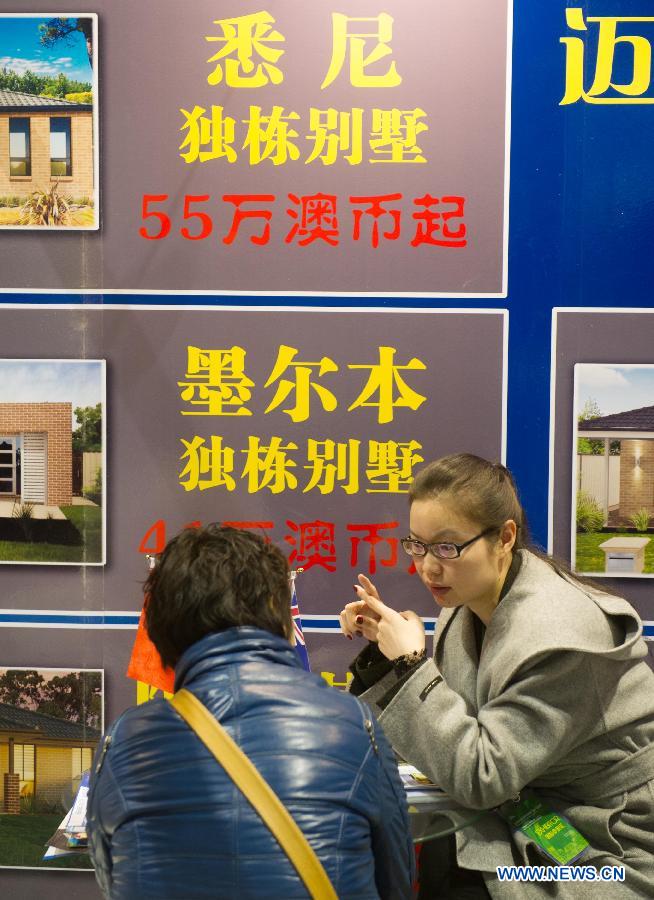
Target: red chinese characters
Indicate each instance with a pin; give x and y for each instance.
(373, 220)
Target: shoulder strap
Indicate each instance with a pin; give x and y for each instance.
(259, 793)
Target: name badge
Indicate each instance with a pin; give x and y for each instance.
(553, 834)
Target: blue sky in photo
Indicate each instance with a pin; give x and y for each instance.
(28, 381)
(20, 50)
(615, 388)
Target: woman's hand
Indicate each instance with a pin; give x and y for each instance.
(397, 633)
(358, 618)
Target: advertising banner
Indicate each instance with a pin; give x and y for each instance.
(256, 268)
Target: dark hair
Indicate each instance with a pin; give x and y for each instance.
(485, 493)
(212, 578)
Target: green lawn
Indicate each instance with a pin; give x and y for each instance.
(590, 558)
(87, 520)
(23, 839)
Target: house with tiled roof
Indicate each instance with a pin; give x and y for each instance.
(634, 429)
(41, 756)
(44, 141)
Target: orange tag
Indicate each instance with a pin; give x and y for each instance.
(145, 663)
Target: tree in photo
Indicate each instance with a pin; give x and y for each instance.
(22, 688)
(31, 83)
(75, 697)
(62, 28)
(594, 446)
(72, 696)
(88, 435)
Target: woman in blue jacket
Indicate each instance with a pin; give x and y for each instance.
(165, 821)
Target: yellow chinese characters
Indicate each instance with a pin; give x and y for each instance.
(301, 385)
(216, 383)
(631, 91)
(391, 135)
(271, 137)
(394, 135)
(390, 466)
(334, 132)
(243, 38)
(349, 33)
(207, 138)
(207, 467)
(330, 462)
(272, 466)
(384, 380)
(269, 465)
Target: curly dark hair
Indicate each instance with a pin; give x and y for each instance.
(212, 578)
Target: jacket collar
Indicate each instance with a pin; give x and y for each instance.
(233, 646)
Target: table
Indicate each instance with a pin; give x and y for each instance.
(439, 817)
(432, 814)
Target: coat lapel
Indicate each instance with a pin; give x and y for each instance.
(457, 660)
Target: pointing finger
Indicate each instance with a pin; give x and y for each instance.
(368, 586)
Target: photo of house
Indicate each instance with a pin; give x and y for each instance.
(613, 528)
(51, 461)
(51, 722)
(48, 122)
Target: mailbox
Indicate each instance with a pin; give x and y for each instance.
(624, 554)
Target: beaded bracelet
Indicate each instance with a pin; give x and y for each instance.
(406, 662)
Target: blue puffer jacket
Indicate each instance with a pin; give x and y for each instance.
(166, 822)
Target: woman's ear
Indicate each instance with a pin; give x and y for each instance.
(508, 534)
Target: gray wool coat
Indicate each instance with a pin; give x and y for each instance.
(560, 700)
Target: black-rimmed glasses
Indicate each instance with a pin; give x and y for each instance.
(441, 549)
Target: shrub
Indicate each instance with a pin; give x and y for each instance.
(80, 97)
(590, 515)
(45, 208)
(11, 200)
(24, 513)
(640, 519)
(31, 805)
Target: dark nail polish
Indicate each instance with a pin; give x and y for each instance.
(359, 633)
(349, 637)
(359, 620)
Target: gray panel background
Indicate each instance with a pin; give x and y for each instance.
(452, 56)
(145, 350)
(593, 337)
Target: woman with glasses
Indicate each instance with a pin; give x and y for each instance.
(537, 689)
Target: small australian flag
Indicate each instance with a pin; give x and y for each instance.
(300, 646)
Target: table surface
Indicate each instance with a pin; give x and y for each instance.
(439, 816)
(432, 814)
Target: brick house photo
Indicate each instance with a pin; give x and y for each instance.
(36, 453)
(613, 532)
(51, 722)
(44, 140)
(52, 461)
(48, 122)
(41, 757)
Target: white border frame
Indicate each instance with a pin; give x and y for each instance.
(501, 294)
(608, 310)
(45, 229)
(103, 401)
(575, 469)
(45, 868)
(91, 308)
